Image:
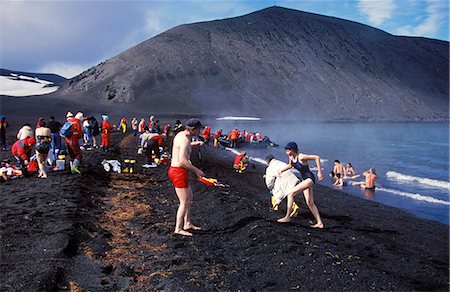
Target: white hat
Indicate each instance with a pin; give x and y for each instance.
(79, 115)
(69, 115)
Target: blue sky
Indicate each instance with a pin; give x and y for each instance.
(68, 37)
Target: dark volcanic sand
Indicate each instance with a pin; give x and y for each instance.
(106, 232)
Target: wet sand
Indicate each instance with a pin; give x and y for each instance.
(105, 232)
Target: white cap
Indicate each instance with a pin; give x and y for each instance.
(79, 115)
(69, 115)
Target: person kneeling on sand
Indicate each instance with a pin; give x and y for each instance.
(179, 174)
(299, 161)
(369, 183)
(241, 162)
(280, 185)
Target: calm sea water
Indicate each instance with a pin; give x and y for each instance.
(411, 159)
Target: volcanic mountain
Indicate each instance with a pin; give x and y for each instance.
(274, 63)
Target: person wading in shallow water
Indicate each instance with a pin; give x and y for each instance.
(179, 174)
(300, 162)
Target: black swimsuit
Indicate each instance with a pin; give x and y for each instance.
(43, 144)
(304, 170)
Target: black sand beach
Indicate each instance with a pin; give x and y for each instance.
(106, 232)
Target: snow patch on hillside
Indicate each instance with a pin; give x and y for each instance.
(21, 85)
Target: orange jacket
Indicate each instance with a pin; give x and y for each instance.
(233, 135)
(207, 133)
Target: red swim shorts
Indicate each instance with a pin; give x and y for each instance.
(179, 177)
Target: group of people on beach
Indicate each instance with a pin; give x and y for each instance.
(52, 140)
(279, 176)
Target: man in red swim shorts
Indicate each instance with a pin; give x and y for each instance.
(179, 174)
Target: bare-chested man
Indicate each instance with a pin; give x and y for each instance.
(338, 173)
(369, 183)
(179, 174)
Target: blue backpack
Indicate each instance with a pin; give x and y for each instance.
(66, 130)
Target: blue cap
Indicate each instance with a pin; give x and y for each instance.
(194, 123)
(291, 146)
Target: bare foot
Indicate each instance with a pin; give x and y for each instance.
(284, 220)
(192, 226)
(183, 232)
(317, 225)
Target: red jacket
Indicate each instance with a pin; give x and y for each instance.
(106, 127)
(234, 134)
(238, 158)
(22, 148)
(158, 138)
(217, 134)
(207, 133)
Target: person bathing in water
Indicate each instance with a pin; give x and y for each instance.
(338, 173)
(299, 161)
(179, 174)
(369, 183)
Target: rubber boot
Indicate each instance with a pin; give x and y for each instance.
(75, 166)
(132, 163)
(127, 166)
(274, 203)
(295, 209)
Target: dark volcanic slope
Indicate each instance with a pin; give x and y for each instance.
(280, 61)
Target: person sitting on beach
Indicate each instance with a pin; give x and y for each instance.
(338, 170)
(241, 162)
(179, 174)
(299, 161)
(369, 183)
(280, 185)
(43, 146)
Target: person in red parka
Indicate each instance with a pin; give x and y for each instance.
(233, 136)
(106, 132)
(206, 134)
(73, 146)
(241, 162)
(22, 149)
(217, 135)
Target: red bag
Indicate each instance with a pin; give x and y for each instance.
(32, 166)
